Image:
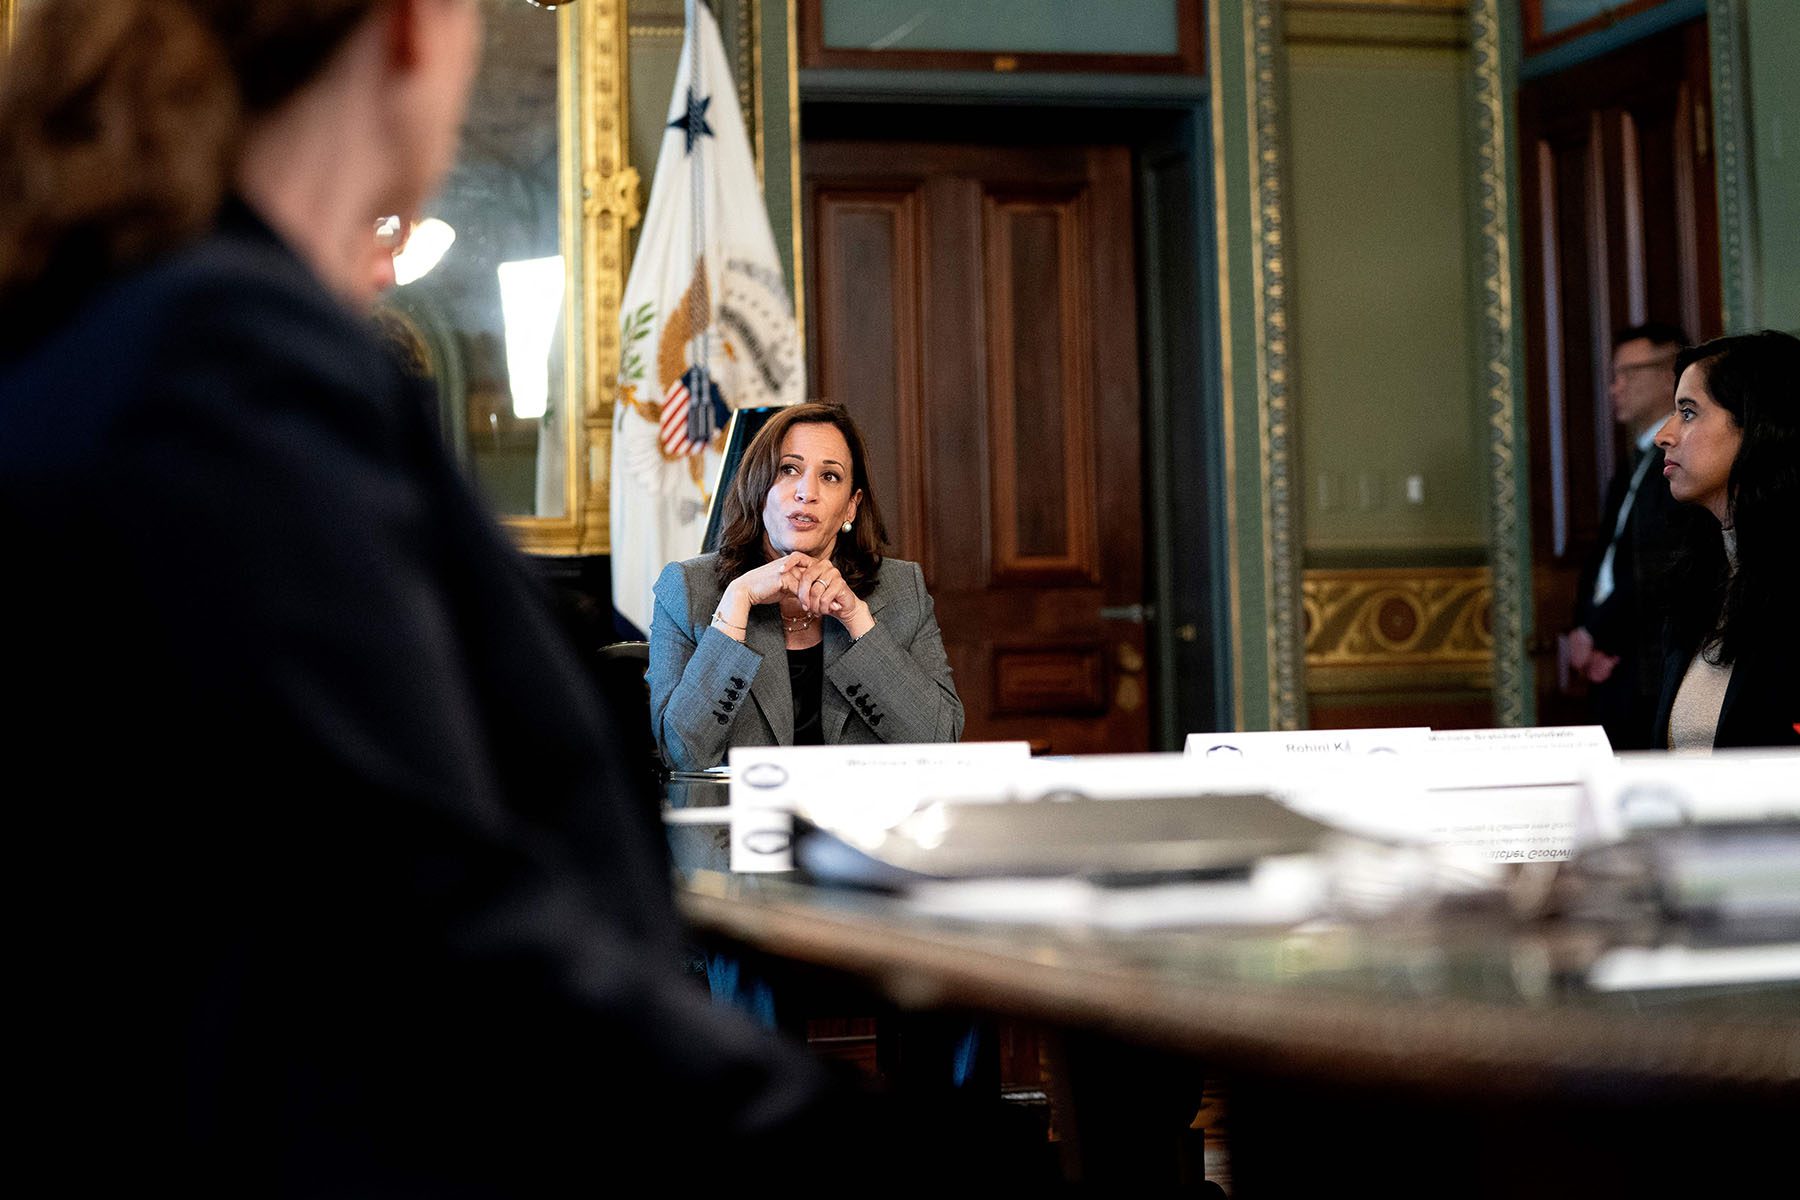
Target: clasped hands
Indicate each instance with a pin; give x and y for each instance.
(1588, 660)
(815, 584)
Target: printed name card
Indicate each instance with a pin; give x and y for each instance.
(1556, 739)
(1505, 795)
(876, 784)
(1311, 743)
(1511, 795)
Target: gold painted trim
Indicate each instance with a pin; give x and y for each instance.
(1725, 29)
(1222, 251)
(9, 10)
(756, 82)
(793, 115)
(1407, 630)
(1442, 614)
(1274, 423)
(1493, 166)
(564, 534)
(600, 208)
(743, 63)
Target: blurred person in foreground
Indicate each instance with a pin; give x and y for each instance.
(330, 878)
(1616, 645)
(1732, 449)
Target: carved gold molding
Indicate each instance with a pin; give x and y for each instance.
(1274, 417)
(1725, 35)
(1401, 616)
(1507, 532)
(600, 208)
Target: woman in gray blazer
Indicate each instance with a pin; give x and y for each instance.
(797, 631)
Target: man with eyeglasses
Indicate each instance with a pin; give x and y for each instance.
(1617, 643)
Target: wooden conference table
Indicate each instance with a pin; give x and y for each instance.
(1442, 1057)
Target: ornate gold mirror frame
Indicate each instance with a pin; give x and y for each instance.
(503, 191)
(600, 195)
(599, 210)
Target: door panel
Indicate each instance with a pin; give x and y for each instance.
(976, 313)
(1039, 395)
(867, 245)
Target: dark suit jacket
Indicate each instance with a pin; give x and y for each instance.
(1629, 623)
(709, 692)
(328, 879)
(1762, 701)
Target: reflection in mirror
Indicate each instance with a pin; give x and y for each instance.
(484, 279)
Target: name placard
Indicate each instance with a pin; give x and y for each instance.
(878, 784)
(1311, 743)
(1511, 795)
(1561, 739)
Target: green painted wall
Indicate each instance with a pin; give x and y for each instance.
(1386, 399)
(1773, 44)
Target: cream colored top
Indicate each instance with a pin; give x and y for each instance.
(1694, 717)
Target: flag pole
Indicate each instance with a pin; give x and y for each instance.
(700, 307)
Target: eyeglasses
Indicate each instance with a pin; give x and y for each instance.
(1624, 370)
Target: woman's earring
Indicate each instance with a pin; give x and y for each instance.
(847, 525)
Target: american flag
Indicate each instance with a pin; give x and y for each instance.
(684, 431)
(675, 439)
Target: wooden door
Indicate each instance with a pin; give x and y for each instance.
(1620, 227)
(974, 308)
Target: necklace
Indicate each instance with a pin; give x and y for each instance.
(798, 624)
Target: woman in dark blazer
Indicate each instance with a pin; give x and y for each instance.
(332, 878)
(797, 631)
(1732, 673)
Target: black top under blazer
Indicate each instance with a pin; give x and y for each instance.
(327, 877)
(710, 692)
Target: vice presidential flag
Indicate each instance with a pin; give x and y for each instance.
(706, 325)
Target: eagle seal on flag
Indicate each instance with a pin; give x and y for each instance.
(706, 326)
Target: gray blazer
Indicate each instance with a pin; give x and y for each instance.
(709, 692)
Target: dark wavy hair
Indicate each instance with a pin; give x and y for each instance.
(120, 127)
(1756, 378)
(741, 545)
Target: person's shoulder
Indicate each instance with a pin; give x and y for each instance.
(899, 572)
(229, 288)
(238, 319)
(690, 574)
(212, 326)
(899, 579)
